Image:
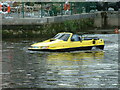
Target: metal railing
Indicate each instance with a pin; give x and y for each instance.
(45, 10)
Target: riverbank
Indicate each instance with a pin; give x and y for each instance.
(33, 31)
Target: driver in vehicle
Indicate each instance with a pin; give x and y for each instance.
(75, 38)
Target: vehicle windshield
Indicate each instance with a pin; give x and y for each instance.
(62, 36)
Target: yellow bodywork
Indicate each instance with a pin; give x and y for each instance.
(57, 44)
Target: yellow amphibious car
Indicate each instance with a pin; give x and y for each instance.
(68, 42)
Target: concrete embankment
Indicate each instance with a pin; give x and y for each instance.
(39, 27)
(107, 19)
(37, 21)
(101, 19)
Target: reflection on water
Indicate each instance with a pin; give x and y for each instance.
(91, 69)
(73, 69)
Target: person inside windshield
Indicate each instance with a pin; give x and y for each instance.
(75, 38)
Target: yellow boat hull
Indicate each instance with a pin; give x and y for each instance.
(67, 45)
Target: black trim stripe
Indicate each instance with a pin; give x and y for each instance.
(68, 49)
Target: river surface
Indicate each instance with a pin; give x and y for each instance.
(79, 69)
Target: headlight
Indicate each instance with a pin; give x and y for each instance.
(44, 47)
